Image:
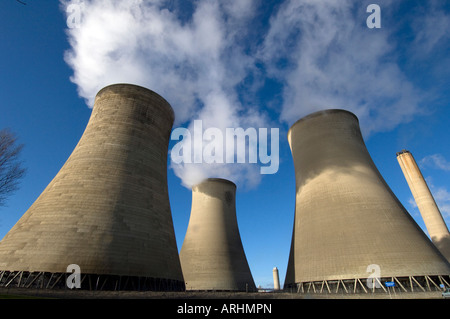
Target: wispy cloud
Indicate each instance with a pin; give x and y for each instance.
(436, 161)
(431, 29)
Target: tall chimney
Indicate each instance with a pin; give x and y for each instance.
(434, 222)
(276, 279)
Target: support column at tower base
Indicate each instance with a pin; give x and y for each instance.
(372, 285)
(91, 282)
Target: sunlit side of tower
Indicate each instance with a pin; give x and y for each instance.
(107, 210)
(434, 222)
(212, 256)
(346, 218)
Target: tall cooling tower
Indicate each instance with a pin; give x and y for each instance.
(435, 224)
(107, 210)
(212, 256)
(348, 224)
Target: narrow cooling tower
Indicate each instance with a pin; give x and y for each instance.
(212, 256)
(107, 210)
(435, 224)
(348, 224)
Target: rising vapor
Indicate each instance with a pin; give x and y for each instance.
(204, 58)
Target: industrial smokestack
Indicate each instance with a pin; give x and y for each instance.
(276, 279)
(348, 224)
(212, 256)
(107, 210)
(435, 224)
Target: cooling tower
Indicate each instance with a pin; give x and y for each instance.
(212, 256)
(348, 224)
(435, 224)
(107, 210)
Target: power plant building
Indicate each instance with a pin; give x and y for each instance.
(107, 210)
(434, 222)
(212, 255)
(349, 227)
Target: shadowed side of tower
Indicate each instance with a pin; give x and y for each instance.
(212, 256)
(347, 220)
(434, 222)
(107, 210)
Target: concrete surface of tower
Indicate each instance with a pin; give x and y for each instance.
(212, 256)
(107, 210)
(434, 222)
(347, 220)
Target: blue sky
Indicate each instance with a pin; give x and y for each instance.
(244, 63)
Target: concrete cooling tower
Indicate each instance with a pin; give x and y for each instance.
(212, 256)
(107, 210)
(350, 232)
(435, 224)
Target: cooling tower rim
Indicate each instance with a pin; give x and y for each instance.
(321, 113)
(139, 87)
(215, 179)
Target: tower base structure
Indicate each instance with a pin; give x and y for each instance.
(92, 282)
(408, 284)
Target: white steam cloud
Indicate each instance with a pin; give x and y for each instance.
(330, 59)
(143, 43)
(200, 55)
(195, 64)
